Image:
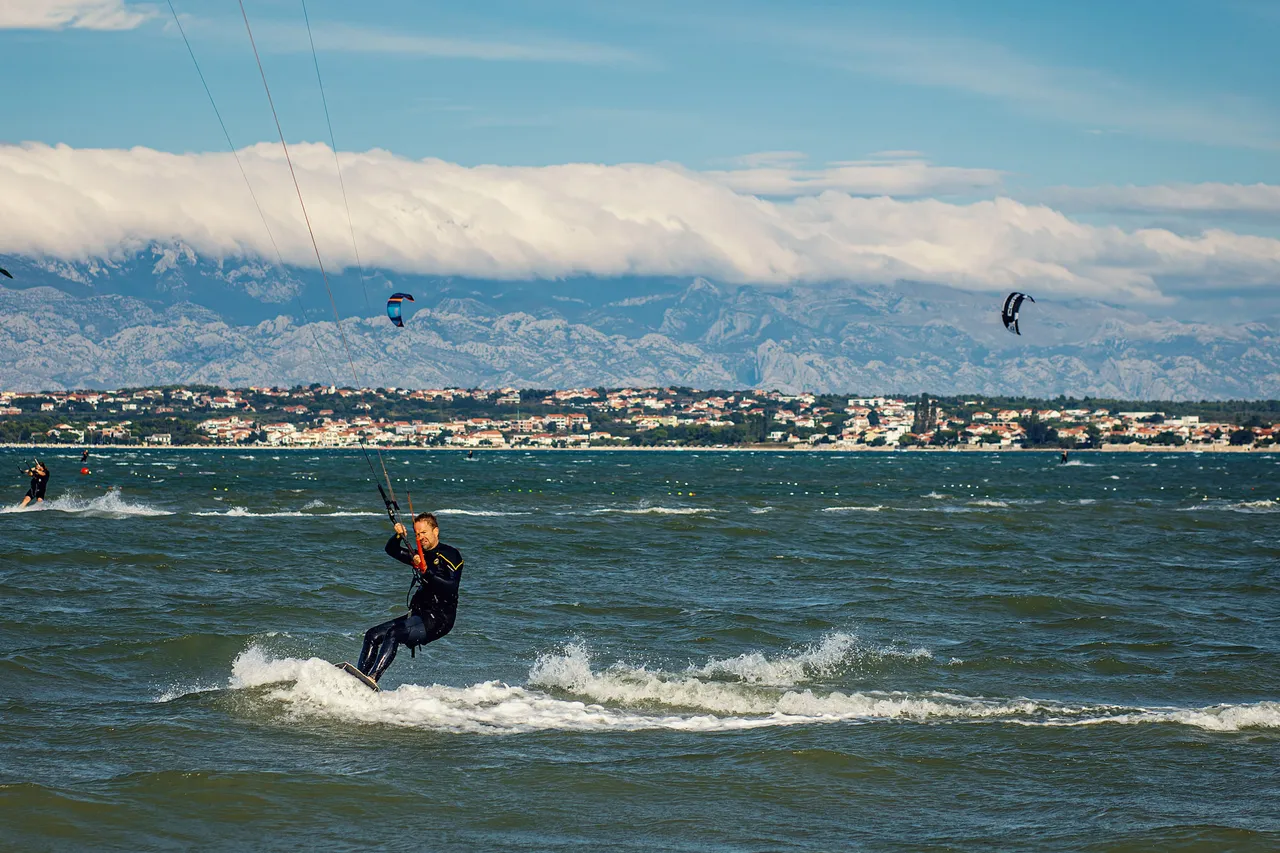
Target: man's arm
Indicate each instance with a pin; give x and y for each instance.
(396, 548)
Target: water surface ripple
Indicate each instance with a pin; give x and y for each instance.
(684, 651)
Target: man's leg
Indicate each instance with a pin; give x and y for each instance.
(411, 630)
(374, 639)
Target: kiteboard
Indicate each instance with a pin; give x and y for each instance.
(360, 676)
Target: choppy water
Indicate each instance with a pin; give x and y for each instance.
(654, 652)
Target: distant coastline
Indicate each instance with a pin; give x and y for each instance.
(764, 448)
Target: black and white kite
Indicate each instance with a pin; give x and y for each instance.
(1009, 313)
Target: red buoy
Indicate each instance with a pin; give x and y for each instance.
(84, 470)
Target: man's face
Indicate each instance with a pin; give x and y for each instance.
(427, 535)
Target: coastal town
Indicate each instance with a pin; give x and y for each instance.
(319, 416)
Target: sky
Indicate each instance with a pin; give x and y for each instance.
(1093, 148)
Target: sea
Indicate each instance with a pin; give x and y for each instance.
(684, 651)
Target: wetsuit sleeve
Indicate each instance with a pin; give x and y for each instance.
(397, 549)
(445, 584)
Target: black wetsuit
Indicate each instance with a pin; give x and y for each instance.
(38, 484)
(431, 610)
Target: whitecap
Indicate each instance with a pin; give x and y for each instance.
(109, 505)
(244, 512)
(657, 510)
(477, 512)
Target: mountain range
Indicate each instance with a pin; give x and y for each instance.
(164, 315)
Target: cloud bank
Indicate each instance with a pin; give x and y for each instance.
(895, 173)
(1262, 200)
(75, 14)
(433, 217)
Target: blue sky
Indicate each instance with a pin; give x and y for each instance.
(1080, 93)
(1121, 151)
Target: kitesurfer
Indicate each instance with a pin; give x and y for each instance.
(1063, 461)
(39, 475)
(434, 602)
(84, 457)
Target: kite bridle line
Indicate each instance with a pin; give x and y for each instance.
(302, 311)
(333, 144)
(342, 335)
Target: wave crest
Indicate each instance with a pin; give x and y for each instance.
(626, 698)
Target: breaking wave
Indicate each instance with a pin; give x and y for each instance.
(564, 693)
(1260, 506)
(244, 512)
(480, 512)
(657, 510)
(109, 505)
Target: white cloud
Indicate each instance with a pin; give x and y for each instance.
(1207, 198)
(352, 39)
(290, 37)
(77, 14)
(769, 158)
(778, 173)
(514, 222)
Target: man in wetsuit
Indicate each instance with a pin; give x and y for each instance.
(434, 602)
(39, 481)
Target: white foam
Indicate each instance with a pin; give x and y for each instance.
(834, 651)
(988, 503)
(1214, 718)
(1256, 506)
(760, 510)
(477, 512)
(625, 698)
(934, 496)
(243, 512)
(876, 508)
(657, 510)
(109, 505)
(1240, 506)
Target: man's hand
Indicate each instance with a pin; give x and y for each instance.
(417, 562)
(399, 529)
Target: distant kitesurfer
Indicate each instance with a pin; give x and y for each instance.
(1063, 461)
(434, 603)
(84, 457)
(39, 475)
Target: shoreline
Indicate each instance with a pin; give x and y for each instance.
(1106, 448)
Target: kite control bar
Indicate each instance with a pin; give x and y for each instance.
(393, 508)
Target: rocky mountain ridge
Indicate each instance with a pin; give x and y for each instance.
(165, 315)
